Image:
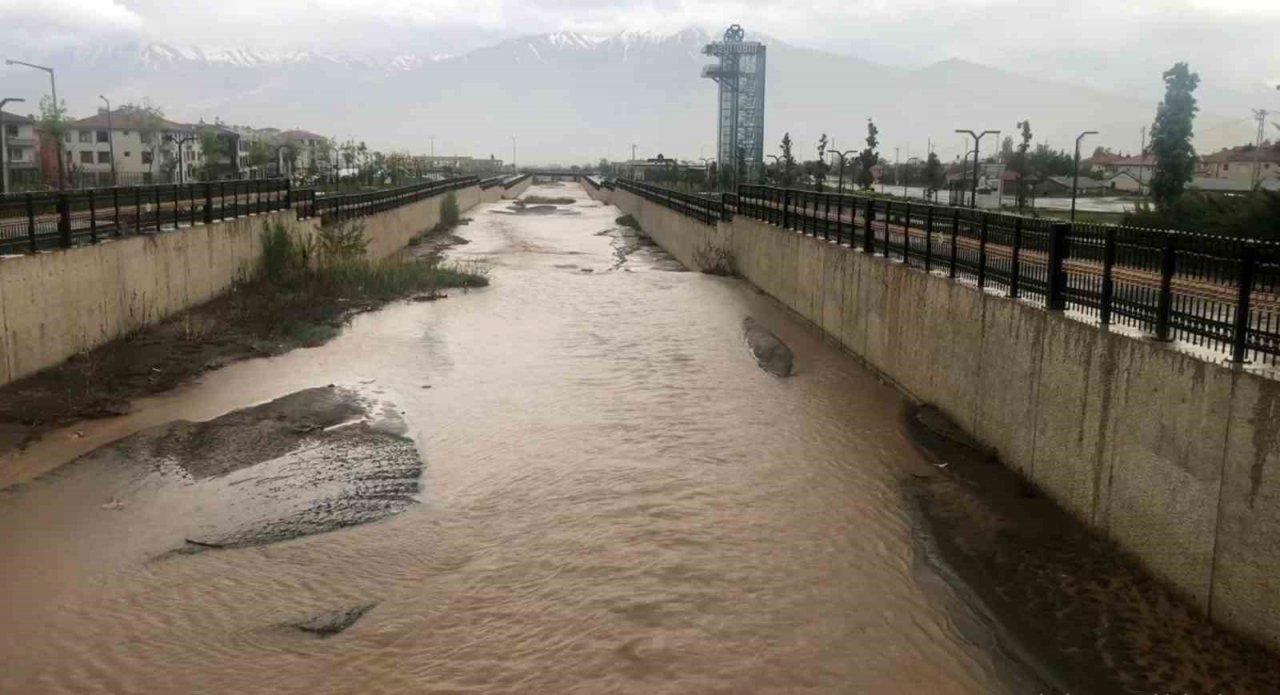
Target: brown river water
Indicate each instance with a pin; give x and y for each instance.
(616, 498)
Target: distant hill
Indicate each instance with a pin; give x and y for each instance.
(569, 97)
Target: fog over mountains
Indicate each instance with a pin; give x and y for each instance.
(571, 98)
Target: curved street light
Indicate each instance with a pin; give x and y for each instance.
(842, 156)
(977, 141)
(1075, 174)
(53, 87)
(111, 142)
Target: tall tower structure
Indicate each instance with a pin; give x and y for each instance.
(740, 74)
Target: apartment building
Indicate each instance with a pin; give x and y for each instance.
(21, 154)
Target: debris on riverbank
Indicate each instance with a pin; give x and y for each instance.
(292, 303)
(771, 354)
(1073, 600)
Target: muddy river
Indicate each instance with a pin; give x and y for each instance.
(614, 498)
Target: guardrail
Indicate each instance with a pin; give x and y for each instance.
(492, 181)
(515, 181)
(335, 208)
(702, 208)
(33, 221)
(1216, 292)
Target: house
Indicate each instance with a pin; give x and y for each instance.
(148, 149)
(1125, 173)
(306, 154)
(1060, 186)
(1245, 164)
(21, 154)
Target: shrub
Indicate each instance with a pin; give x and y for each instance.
(341, 242)
(714, 259)
(282, 256)
(449, 213)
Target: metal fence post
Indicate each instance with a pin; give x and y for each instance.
(928, 238)
(1015, 269)
(1056, 279)
(888, 218)
(955, 241)
(115, 200)
(93, 216)
(1108, 279)
(982, 250)
(1164, 304)
(1240, 330)
(64, 220)
(786, 213)
(288, 194)
(31, 221)
(826, 216)
(208, 203)
(906, 235)
(868, 241)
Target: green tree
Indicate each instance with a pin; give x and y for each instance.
(820, 166)
(259, 155)
(1006, 150)
(1171, 136)
(933, 176)
(869, 157)
(53, 124)
(217, 150)
(1020, 164)
(788, 161)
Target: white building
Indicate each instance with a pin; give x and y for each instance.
(148, 149)
(21, 149)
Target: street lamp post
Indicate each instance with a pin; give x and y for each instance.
(4, 147)
(977, 141)
(513, 154)
(111, 143)
(842, 156)
(1075, 174)
(53, 87)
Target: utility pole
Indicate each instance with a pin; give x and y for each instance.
(1075, 174)
(1261, 116)
(111, 143)
(513, 154)
(53, 87)
(977, 142)
(4, 147)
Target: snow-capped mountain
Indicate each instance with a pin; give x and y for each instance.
(569, 96)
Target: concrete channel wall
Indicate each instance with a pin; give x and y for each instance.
(1175, 458)
(59, 303)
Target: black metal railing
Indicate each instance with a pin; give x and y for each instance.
(592, 182)
(335, 208)
(514, 181)
(1216, 292)
(705, 209)
(492, 181)
(30, 222)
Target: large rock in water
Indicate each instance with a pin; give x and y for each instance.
(312, 461)
(771, 354)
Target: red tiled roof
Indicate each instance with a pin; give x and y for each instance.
(1266, 153)
(124, 119)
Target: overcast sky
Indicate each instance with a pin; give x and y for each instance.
(1112, 44)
